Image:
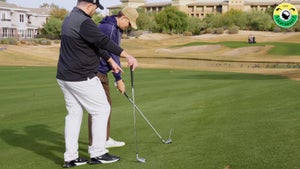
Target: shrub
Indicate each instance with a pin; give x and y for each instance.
(186, 33)
(41, 41)
(53, 28)
(234, 17)
(45, 42)
(297, 26)
(9, 41)
(259, 21)
(145, 21)
(209, 30)
(136, 33)
(23, 42)
(195, 25)
(202, 32)
(277, 29)
(233, 30)
(218, 31)
(171, 20)
(56, 41)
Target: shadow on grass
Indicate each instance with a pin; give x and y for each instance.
(38, 139)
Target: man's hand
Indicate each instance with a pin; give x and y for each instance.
(115, 67)
(121, 86)
(131, 61)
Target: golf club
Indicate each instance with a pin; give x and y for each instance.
(169, 140)
(139, 159)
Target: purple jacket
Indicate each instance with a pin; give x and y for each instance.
(109, 27)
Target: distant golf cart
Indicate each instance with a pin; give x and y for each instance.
(251, 39)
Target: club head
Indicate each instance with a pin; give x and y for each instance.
(169, 141)
(141, 160)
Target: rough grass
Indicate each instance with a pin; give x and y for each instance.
(147, 49)
(278, 49)
(284, 45)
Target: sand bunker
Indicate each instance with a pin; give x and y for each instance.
(215, 49)
(244, 51)
(189, 49)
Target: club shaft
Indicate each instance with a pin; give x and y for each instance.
(134, 114)
(134, 123)
(144, 117)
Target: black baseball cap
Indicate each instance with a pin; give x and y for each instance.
(97, 2)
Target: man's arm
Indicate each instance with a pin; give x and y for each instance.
(90, 33)
(115, 67)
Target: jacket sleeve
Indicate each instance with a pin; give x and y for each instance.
(109, 30)
(90, 33)
(104, 54)
(117, 76)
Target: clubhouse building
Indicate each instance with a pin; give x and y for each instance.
(201, 8)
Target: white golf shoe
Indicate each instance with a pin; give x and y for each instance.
(113, 143)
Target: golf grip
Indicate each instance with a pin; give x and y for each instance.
(131, 75)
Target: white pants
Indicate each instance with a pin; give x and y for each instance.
(90, 95)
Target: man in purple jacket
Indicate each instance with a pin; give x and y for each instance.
(113, 26)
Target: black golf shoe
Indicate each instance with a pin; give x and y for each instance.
(74, 163)
(103, 159)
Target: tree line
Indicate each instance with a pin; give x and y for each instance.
(173, 21)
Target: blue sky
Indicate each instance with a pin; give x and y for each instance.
(68, 4)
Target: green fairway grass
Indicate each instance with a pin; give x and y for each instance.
(244, 121)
